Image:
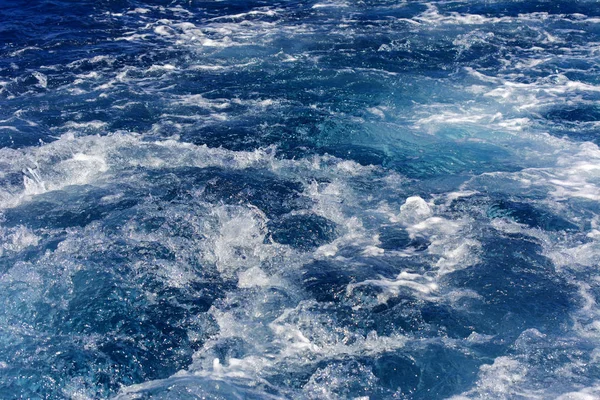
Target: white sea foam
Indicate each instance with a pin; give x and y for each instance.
(297, 334)
(331, 4)
(139, 10)
(41, 78)
(238, 241)
(77, 161)
(10, 128)
(423, 285)
(499, 380)
(233, 242)
(433, 16)
(160, 68)
(225, 31)
(74, 125)
(414, 210)
(255, 276)
(17, 239)
(253, 13)
(589, 393)
(574, 174)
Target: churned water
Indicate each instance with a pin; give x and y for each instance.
(300, 199)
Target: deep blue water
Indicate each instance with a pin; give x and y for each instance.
(299, 199)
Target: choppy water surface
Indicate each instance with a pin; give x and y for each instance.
(299, 199)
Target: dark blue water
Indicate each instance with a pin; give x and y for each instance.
(299, 200)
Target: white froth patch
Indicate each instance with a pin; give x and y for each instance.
(331, 4)
(425, 286)
(589, 393)
(373, 251)
(462, 256)
(77, 170)
(467, 40)
(526, 96)
(577, 175)
(84, 160)
(477, 89)
(439, 117)
(511, 227)
(111, 198)
(514, 124)
(133, 37)
(250, 28)
(434, 227)
(587, 254)
(173, 274)
(414, 210)
(450, 197)
(433, 16)
(234, 241)
(42, 79)
(292, 338)
(78, 160)
(334, 381)
(95, 124)
(200, 101)
(228, 325)
(23, 50)
(239, 240)
(255, 277)
(267, 12)
(159, 68)
(300, 333)
(450, 242)
(587, 318)
(570, 170)
(377, 112)
(450, 118)
(351, 168)
(17, 239)
(479, 338)
(327, 250)
(499, 380)
(330, 201)
(202, 67)
(244, 368)
(23, 274)
(139, 10)
(164, 30)
(266, 103)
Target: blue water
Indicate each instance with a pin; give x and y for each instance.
(326, 199)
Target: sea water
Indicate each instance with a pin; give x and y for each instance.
(323, 199)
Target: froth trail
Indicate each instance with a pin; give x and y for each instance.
(326, 200)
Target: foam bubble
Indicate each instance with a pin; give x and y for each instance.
(414, 210)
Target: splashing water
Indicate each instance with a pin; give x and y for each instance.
(299, 200)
